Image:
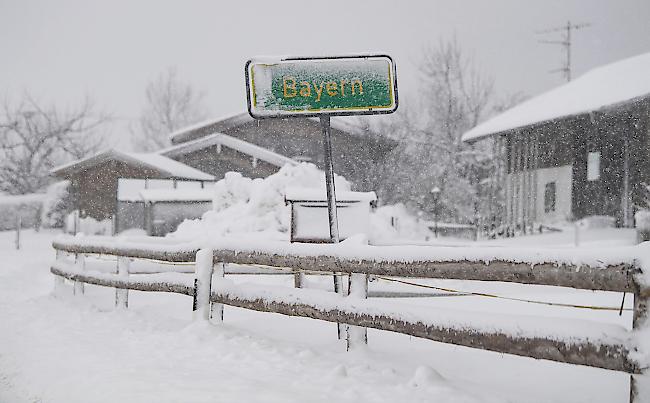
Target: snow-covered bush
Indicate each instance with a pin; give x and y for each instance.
(56, 205)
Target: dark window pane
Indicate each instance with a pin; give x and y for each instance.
(549, 197)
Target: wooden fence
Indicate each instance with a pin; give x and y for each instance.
(611, 350)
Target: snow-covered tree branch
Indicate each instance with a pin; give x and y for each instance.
(170, 105)
(34, 138)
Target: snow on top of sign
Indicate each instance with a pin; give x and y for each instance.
(320, 194)
(291, 58)
(608, 85)
(180, 195)
(151, 160)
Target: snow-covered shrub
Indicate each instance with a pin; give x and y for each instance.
(56, 205)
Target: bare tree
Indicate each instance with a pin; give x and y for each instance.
(170, 105)
(34, 139)
(431, 154)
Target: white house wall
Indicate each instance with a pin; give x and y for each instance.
(562, 176)
(525, 195)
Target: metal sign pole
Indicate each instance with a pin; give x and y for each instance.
(329, 178)
(331, 198)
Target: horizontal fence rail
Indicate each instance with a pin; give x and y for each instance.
(609, 348)
(618, 277)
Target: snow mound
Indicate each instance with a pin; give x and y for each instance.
(257, 206)
(244, 205)
(426, 376)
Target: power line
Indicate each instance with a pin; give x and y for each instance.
(564, 42)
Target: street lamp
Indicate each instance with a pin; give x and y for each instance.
(435, 192)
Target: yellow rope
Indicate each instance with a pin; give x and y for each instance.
(451, 290)
(480, 294)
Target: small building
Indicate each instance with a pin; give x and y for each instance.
(576, 151)
(356, 155)
(95, 183)
(310, 217)
(219, 153)
(166, 209)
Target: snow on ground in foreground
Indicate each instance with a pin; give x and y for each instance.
(78, 349)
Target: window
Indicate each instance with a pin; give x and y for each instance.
(549, 197)
(593, 166)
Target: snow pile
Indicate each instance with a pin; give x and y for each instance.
(244, 205)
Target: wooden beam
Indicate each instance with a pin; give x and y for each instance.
(177, 256)
(128, 284)
(611, 278)
(607, 356)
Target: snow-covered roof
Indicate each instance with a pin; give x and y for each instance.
(612, 84)
(166, 166)
(317, 194)
(215, 125)
(242, 146)
(225, 123)
(177, 195)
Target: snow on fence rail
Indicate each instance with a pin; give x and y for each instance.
(584, 343)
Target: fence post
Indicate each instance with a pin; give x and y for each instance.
(202, 284)
(298, 279)
(640, 320)
(58, 280)
(216, 309)
(19, 224)
(357, 288)
(80, 265)
(122, 294)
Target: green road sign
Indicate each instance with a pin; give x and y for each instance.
(315, 86)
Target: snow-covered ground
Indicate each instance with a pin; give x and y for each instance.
(79, 349)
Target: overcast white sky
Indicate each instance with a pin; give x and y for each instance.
(61, 50)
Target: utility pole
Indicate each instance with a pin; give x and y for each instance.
(564, 42)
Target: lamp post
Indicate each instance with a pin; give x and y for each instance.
(435, 192)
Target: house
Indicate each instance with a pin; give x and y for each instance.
(218, 153)
(356, 156)
(98, 182)
(576, 151)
